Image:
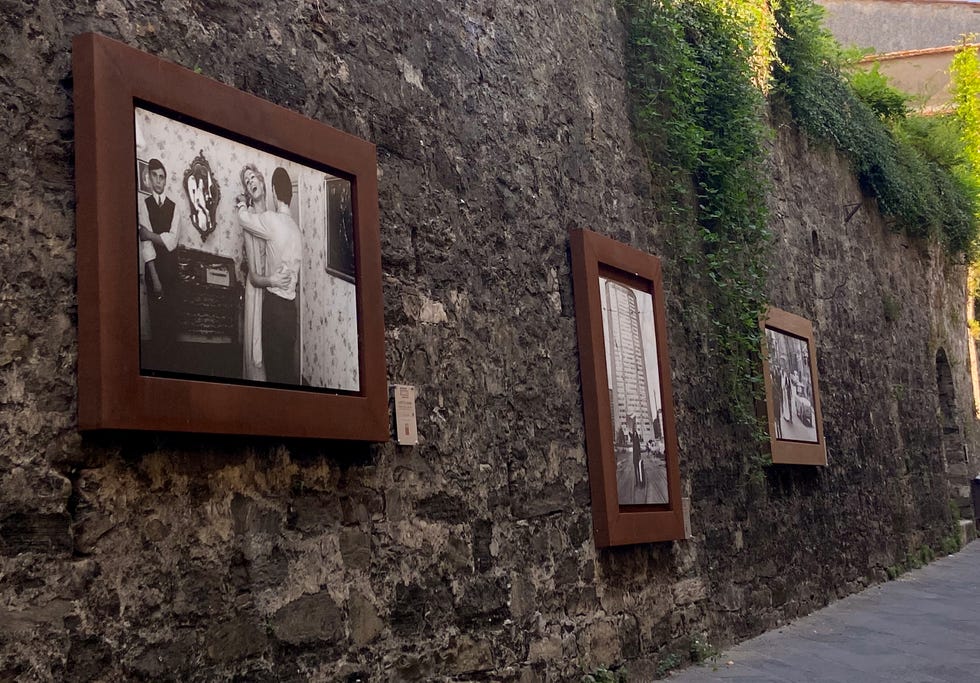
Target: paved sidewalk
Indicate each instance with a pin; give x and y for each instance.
(922, 628)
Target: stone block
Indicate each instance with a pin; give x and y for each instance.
(471, 655)
(309, 619)
(443, 507)
(355, 548)
(365, 624)
(315, 512)
(235, 640)
(688, 591)
(482, 539)
(45, 533)
(547, 649)
(419, 607)
(522, 596)
(967, 530)
(484, 602)
(599, 644)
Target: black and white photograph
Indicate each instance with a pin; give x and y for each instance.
(794, 415)
(235, 273)
(634, 393)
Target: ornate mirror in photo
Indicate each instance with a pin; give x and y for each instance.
(232, 283)
(792, 396)
(629, 419)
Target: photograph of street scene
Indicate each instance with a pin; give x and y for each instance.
(634, 394)
(792, 387)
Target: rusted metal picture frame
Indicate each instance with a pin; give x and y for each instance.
(789, 368)
(117, 389)
(631, 440)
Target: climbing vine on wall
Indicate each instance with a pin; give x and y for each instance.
(893, 152)
(699, 71)
(694, 71)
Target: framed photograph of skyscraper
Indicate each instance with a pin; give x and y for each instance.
(629, 417)
(789, 362)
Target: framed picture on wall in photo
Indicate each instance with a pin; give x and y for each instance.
(631, 440)
(142, 176)
(792, 392)
(339, 226)
(209, 296)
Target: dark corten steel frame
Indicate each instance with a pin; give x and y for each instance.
(593, 256)
(785, 451)
(110, 79)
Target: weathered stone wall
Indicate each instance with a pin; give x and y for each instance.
(499, 126)
(897, 25)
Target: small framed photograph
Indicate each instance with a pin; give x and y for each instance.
(631, 440)
(792, 392)
(143, 176)
(232, 284)
(338, 240)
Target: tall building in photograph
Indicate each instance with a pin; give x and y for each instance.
(628, 388)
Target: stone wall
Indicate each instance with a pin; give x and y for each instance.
(897, 25)
(499, 126)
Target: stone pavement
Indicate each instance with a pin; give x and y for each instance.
(922, 628)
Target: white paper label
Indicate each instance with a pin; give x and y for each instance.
(686, 507)
(405, 423)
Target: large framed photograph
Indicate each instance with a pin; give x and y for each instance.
(210, 298)
(631, 441)
(792, 392)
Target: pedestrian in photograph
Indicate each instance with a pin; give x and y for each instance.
(637, 456)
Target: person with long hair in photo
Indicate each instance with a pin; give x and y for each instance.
(254, 200)
(283, 243)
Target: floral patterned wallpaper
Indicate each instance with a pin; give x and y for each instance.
(327, 305)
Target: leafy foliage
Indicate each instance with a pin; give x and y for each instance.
(605, 675)
(701, 649)
(668, 663)
(697, 73)
(867, 120)
(872, 86)
(965, 74)
(699, 117)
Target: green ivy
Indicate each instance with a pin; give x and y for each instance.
(964, 73)
(697, 72)
(698, 114)
(606, 675)
(965, 87)
(919, 192)
(872, 86)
